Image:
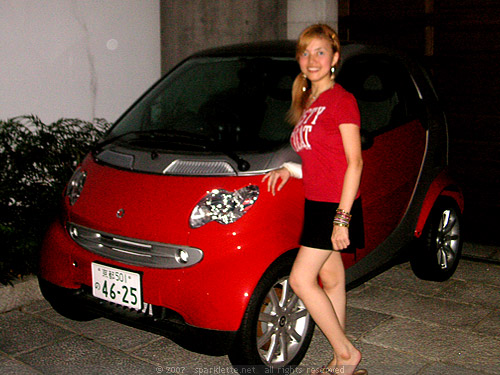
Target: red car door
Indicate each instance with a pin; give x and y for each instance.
(394, 141)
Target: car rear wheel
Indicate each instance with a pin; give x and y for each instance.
(276, 329)
(440, 246)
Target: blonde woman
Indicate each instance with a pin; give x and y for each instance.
(327, 138)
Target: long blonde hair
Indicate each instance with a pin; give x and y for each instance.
(301, 87)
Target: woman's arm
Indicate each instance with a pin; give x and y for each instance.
(351, 140)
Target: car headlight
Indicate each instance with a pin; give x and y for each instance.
(223, 206)
(75, 185)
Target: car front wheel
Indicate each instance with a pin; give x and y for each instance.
(440, 246)
(276, 329)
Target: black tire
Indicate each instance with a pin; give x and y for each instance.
(439, 249)
(62, 301)
(276, 329)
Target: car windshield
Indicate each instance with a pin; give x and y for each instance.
(236, 103)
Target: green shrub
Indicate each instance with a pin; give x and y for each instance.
(36, 162)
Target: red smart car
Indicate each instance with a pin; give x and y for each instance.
(167, 226)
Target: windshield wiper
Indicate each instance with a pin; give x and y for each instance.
(241, 163)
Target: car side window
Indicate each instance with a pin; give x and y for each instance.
(384, 91)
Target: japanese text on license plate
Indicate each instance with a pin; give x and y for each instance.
(116, 285)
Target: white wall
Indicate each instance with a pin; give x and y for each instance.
(76, 58)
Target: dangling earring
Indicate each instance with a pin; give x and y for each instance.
(332, 75)
(304, 88)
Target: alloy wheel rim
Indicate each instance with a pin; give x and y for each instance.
(448, 239)
(282, 325)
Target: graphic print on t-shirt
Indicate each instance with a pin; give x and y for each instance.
(300, 135)
(318, 141)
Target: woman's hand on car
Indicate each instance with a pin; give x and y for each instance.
(274, 176)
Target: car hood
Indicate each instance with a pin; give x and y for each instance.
(140, 205)
(133, 204)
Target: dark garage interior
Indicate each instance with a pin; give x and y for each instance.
(458, 42)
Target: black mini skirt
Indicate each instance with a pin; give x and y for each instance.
(318, 226)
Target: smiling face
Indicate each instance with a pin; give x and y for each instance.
(316, 60)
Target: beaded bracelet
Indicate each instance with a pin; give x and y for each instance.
(340, 224)
(343, 212)
(342, 218)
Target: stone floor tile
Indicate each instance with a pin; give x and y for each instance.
(402, 277)
(21, 292)
(439, 368)
(169, 355)
(472, 292)
(36, 307)
(490, 325)
(486, 273)
(20, 332)
(376, 359)
(437, 343)
(478, 251)
(361, 321)
(54, 317)
(322, 353)
(79, 355)
(387, 361)
(103, 330)
(413, 306)
(14, 367)
(116, 335)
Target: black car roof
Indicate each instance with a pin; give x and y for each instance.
(279, 48)
(286, 48)
(276, 48)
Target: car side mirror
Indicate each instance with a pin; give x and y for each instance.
(366, 140)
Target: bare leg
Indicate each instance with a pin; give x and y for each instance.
(332, 276)
(304, 281)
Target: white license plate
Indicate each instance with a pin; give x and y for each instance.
(116, 285)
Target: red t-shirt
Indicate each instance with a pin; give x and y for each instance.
(316, 138)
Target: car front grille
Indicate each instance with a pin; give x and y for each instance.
(134, 251)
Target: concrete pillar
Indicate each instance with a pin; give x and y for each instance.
(192, 25)
(302, 13)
